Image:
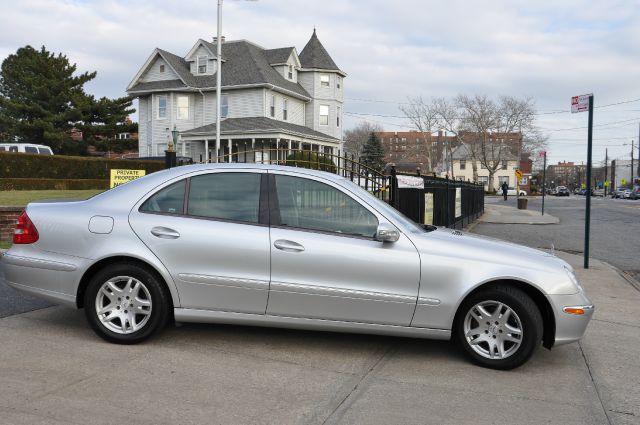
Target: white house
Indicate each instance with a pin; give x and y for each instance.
(463, 169)
(270, 98)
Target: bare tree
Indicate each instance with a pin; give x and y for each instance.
(424, 117)
(355, 138)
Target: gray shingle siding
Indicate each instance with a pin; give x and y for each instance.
(314, 55)
(257, 125)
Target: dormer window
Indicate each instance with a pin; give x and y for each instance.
(291, 72)
(324, 80)
(338, 82)
(202, 64)
(161, 68)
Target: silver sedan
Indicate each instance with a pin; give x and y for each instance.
(288, 247)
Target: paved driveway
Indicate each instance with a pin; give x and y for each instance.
(54, 370)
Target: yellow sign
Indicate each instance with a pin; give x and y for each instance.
(428, 208)
(623, 182)
(119, 177)
(606, 183)
(518, 174)
(583, 186)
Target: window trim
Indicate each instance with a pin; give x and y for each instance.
(224, 102)
(272, 106)
(274, 208)
(166, 106)
(328, 85)
(320, 115)
(183, 96)
(285, 111)
(290, 72)
(206, 64)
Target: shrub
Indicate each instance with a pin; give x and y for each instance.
(53, 184)
(31, 166)
(308, 159)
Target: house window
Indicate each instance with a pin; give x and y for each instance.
(161, 68)
(162, 107)
(272, 108)
(338, 82)
(202, 64)
(404, 140)
(484, 180)
(504, 165)
(463, 164)
(324, 115)
(291, 72)
(284, 109)
(338, 117)
(503, 179)
(224, 106)
(324, 80)
(182, 108)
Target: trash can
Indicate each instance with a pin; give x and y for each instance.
(522, 203)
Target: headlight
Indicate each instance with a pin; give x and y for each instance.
(573, 278)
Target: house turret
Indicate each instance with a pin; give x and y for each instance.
(324, 81)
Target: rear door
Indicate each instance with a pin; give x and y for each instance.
(325, 263)
(211, 232)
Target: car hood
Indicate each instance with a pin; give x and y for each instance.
(467, 246)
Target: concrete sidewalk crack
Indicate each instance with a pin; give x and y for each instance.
(595, 386)
(373, 368)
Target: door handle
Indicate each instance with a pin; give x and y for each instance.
(165, 233)
(288, 246)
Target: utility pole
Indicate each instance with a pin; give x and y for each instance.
(632, 165)
(587, 217)
(544, 180)
(218, 77)
(606, 166)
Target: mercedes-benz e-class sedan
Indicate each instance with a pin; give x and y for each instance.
(288, 247)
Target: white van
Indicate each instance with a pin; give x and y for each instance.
(25, 148)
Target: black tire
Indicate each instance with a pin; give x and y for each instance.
(159, 310)
(526, 311)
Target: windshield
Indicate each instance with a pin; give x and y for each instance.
(386, 209)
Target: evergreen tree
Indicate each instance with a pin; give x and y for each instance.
(40, 98)
(373, 153)
(107, 117)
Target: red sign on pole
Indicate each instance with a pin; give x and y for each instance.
(580, 103)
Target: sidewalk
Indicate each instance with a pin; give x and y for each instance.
(53, 369)
(503, 214)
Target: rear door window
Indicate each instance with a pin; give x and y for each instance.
(44, 151)
(30, 149)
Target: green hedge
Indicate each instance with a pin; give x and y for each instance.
(53, 184)
(32, 166)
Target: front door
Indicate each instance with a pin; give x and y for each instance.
(216, 247)
(325, 263)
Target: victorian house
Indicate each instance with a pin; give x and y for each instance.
(271, 98)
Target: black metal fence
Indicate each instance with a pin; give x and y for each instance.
(430, 200)
(437, 201)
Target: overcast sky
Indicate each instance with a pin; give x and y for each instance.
(391, 50)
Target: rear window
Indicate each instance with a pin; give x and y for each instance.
(44, 151)
(169, 200)
(30, 149)
(226, 196)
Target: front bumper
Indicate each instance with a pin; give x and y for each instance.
(570, 327)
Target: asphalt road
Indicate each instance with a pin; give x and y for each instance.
(615, 229)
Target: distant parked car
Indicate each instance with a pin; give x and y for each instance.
(512, 192)
(25, 148)
(562, 191)
(597, 192)
(635, 193)
(618, 193)
(626, 194)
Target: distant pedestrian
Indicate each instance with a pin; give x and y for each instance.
(505, 189)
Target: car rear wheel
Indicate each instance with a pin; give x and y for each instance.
(126, 303)
(499, 327)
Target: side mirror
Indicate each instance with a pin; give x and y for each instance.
(387, 233)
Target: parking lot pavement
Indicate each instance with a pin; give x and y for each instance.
(53, 369)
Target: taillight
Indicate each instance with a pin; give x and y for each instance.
(25, 231)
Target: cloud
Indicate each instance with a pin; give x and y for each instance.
(391, 50)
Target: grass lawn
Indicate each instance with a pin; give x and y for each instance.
(5, 245)
(20, 198)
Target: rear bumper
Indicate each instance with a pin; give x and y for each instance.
(52, 280)
(570, 327)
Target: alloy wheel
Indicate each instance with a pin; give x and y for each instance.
(493, 330)
(123, 304)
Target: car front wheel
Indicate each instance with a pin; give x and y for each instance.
(499, 327)
(126, 303)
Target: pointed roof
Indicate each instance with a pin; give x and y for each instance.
(314, 55)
